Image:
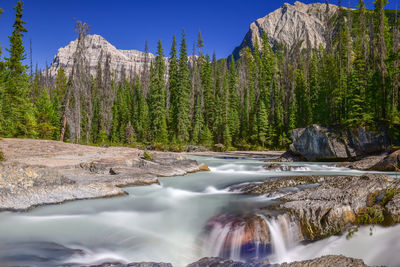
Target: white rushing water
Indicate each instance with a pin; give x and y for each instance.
(168, 223)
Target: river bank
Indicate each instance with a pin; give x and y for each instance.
(39, 172)
(184, 219)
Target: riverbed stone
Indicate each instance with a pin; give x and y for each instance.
(39, 172)
(334, 206)
(276, 183)
(137, 264)
(390, 163)
(325, 261)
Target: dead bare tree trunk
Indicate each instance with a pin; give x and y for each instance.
(80, 86)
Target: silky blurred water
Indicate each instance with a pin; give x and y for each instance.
(164, 223)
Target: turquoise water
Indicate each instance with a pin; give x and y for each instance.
(165, 223)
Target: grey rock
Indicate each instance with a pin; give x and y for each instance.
(96, 45)
(318, 143)
(275, 183)
(39, 172)
(195, 149)
(289, 156)
(332, 207)
(136, 264)
(366, 163)
(390, 163)
(290, 25)
(393, 209)
(326, 261)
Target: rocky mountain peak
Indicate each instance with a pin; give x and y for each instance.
(96, 45)
(290, 24)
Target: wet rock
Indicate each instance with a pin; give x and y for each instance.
(334, 207)
(390, 163)
(393, 209)
(275, 183)
(318, 143)
(204, 168)
(39, 172)
(138, 264)
(289, 156)
(326, 206)
(221, 262)
(194, 149)
(364, 164)
(325, 261)
(284, 168)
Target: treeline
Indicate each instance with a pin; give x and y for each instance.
(249, 103)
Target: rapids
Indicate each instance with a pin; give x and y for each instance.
(165, 223)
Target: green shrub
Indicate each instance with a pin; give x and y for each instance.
(147, 156)
(1, 156)
(371, 215)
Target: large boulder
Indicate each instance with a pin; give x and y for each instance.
(339, 203)
(318, 143)
(330, 205)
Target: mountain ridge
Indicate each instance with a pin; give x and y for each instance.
(289, 25)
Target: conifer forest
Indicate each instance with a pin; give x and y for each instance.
(189, 97)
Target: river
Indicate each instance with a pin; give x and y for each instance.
(165, 223)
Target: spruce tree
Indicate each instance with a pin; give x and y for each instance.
(18, 111)
(183, 94)
(17, 49)
(234, 102)
(303, 111)
(46, 116)
(142, 118)
(207, 84)
(380, 57)
(198, 122)
(262, 123)
(157, 106)
(173, 90)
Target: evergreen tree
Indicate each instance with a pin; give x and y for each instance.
(198, 122)
(157, 105)
(46, 116)
(303, 105)
(183, 95)
(262, 123)
(207, 84)
(141, 117)
(17, 110)
(233, 103)
(380, 57)
(173, 90)
(17, 49)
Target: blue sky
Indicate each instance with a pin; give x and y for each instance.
(127, 24)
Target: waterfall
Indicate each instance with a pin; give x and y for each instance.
(254, 239)
(236, 243)
(285, 234)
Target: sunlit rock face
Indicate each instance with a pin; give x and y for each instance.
(290, 25)
(97, 48)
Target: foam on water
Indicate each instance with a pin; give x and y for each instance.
(163, 223)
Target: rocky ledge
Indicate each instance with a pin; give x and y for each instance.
(326, 261)
(39, 172)
(316, 207)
